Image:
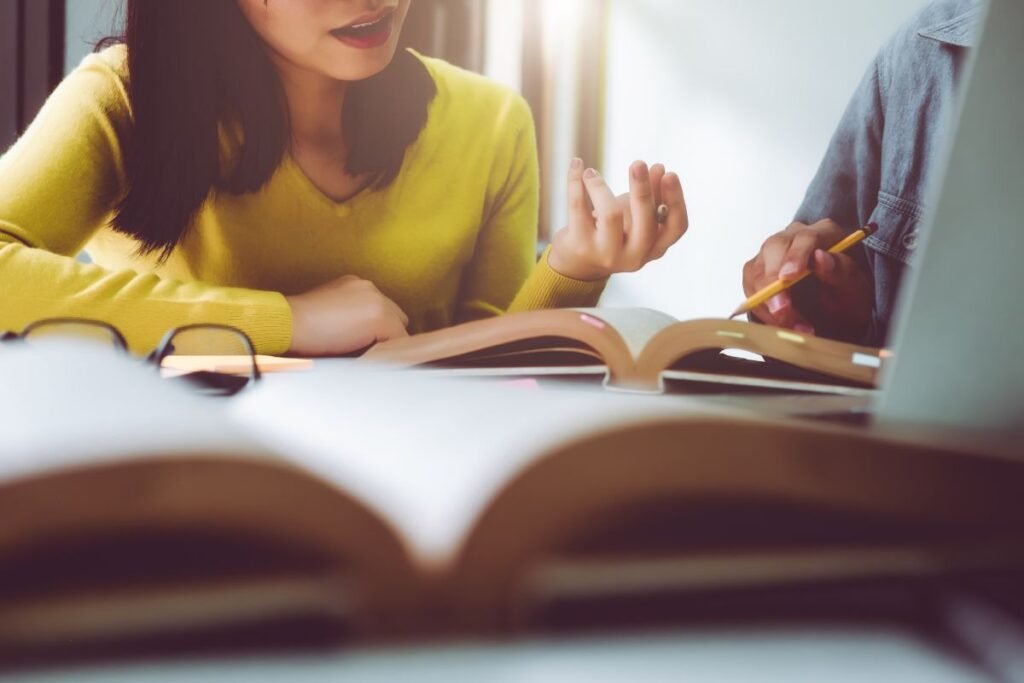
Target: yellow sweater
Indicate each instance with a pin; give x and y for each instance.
(452, 239)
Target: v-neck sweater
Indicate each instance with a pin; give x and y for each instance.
(452, 239)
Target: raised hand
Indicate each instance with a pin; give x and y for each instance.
(616, 236)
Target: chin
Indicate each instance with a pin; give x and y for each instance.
(349, 64)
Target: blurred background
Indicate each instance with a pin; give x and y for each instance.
(739, 96)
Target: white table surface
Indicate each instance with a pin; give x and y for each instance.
(817, 655)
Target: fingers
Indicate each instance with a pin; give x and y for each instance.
(608, 234)
(786, 318)
(801, 325)
(844, 294)
(773, 255)
(385, 311)
(599, 193)
(657, 174)
(678, 222)
(786, 256)
(579, 209)
(835, 270)
(765, 271)
(400, 315)
(806, 239)
(797, 261)
(644, 221)
(753, 273)
(393, 328)
(610, 223)
(784, 313)
(844, 281)
(780, 310)
(391, 321)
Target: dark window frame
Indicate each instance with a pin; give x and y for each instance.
(31, 61)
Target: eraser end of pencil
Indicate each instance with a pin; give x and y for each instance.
(871, 229)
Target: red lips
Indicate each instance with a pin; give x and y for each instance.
(369, 31)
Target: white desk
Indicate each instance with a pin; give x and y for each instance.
(814, 656)
(778, 404)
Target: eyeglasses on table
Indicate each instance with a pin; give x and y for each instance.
(217, 360)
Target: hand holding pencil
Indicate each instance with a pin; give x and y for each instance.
(845, 291)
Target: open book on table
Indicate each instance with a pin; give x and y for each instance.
(342, 504)
(640, 349)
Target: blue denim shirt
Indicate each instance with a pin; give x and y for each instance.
(877, 165)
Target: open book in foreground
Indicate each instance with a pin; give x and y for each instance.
(640, 349)
(353, 504)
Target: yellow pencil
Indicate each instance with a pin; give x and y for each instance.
(779, 286)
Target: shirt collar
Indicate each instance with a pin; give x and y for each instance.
(960, 31)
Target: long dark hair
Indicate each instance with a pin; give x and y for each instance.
(197, 65)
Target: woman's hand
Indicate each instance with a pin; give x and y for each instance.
(343, 316)
(845, 292)
(617, 236)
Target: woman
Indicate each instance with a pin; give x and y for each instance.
(280, 167)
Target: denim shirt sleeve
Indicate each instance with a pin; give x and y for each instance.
(847, 183)
(846, 186)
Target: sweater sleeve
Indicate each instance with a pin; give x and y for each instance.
(504, 275)
(59, 185)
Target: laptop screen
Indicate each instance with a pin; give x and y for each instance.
(960, 331)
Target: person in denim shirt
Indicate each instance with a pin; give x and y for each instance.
(875, 171)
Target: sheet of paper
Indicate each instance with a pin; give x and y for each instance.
(431, 453)
(636, 325)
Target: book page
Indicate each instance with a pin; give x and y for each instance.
(636, 325)
(429, 453)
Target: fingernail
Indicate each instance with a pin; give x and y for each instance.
(640, 171)
(788, 270)
(803, 329)
(777, 303)
(591, 173)
(576, 164)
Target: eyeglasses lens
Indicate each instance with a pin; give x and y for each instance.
(219, 360)
(76, 331)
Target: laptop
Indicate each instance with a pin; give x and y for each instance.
(959, 331)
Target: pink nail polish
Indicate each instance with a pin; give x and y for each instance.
(788, 270)
(590, 173)
(577, 164)
(777, 303)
